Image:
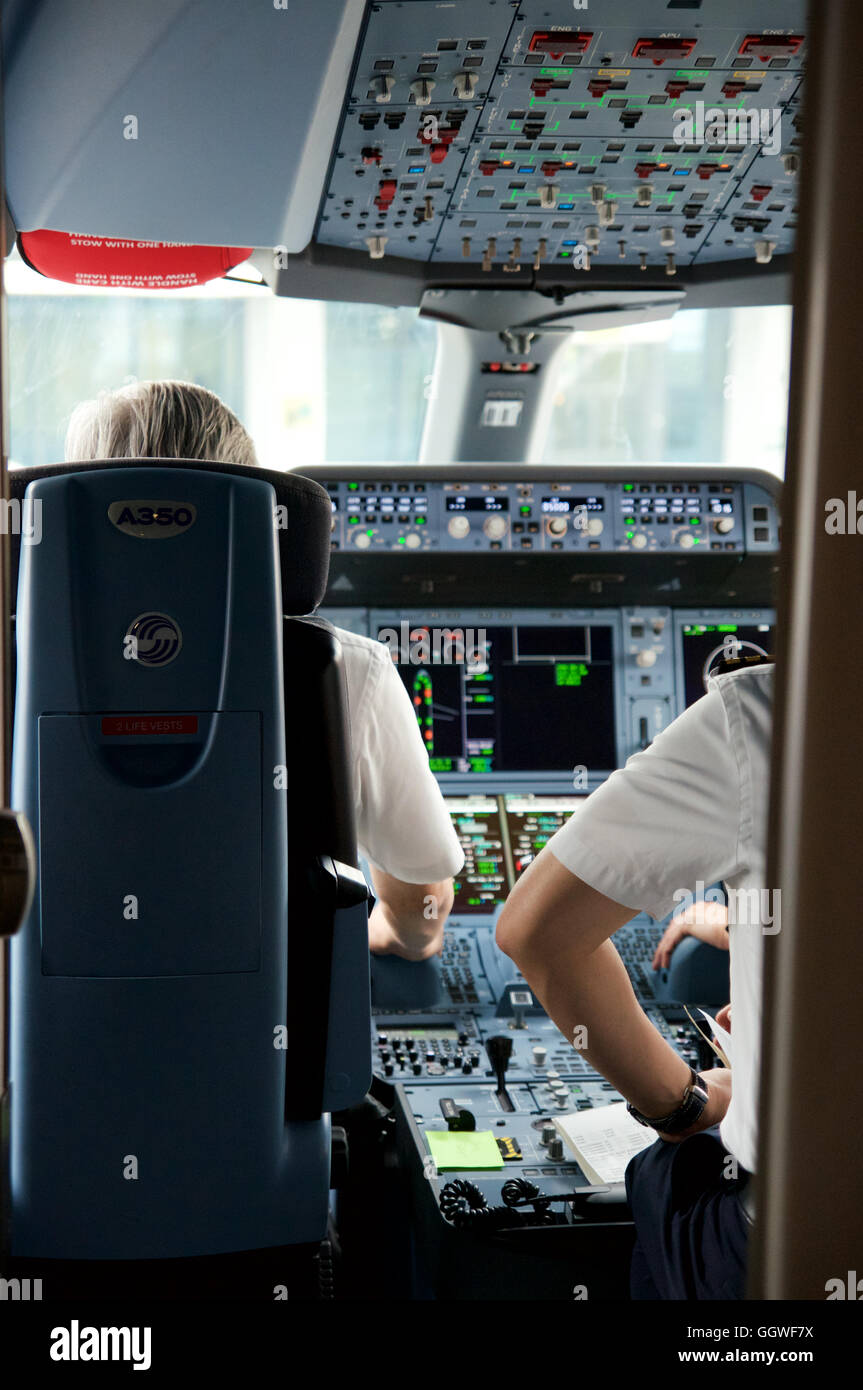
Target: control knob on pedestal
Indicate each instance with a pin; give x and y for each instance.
(494, 527)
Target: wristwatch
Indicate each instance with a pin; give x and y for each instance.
(687, 1113)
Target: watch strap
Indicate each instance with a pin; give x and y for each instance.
(687, 1113)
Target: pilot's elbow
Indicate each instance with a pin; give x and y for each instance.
(513, 932)
(445, 899)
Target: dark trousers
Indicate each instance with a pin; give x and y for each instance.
(691, 1229)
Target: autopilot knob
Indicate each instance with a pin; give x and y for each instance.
(459, 526)
(495, 527)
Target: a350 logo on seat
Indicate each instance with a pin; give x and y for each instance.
(152, 520)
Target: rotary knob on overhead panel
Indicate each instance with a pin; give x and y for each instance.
(646, 657)
(595, 526)
(465, 85)
(458, 526)
(557, 526)
(382, 86)
(724, 525)
(495, 527)
(421, 91)
(639, 541)
(362, 540)
(687, 540)
(413, 541)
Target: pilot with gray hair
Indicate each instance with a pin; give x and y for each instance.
(403, 828)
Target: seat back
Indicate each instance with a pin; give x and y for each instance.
(153, 1113)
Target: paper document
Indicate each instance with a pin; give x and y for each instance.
(717, 1036)
(604, 1140)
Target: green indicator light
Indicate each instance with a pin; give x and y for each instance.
(524, 511)
(565, 255)
(353, 521)
(629, 535)
(420, 521)
(695, 521)
(569, 672)
(371, 532)
(629, 521)
(440, 764)
(401, 540)
(353, 487)
(629, 487)
(697, 541)
(726, 627)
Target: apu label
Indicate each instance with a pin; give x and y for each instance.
(152, 520)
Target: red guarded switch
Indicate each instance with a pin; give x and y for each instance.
(439, 153)
(767, 46)
(758, 192)
(706, 171)
(645, 169)
(732, 90)
(430, 133)
(551, 166)
(541, 86)
(556, 42)
(487, 167)
(372, 155)
(385, 194)
(598, 86)
(675, 87)
(660, 49)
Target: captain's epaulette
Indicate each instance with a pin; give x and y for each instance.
(727, 664)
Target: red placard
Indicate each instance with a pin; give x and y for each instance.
(112, 263)
(135, 725)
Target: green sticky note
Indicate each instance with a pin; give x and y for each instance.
(463, 1149)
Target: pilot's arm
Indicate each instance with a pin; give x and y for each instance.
(403, 826)
(667, 819)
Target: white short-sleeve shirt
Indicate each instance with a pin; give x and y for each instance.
(693, 806)
(403, 826)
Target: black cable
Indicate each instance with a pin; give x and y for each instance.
(463, 1204)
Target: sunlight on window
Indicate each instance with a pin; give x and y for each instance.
(707, 386)
(313, 382)
(328, 382)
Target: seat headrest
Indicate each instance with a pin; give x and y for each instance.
(304, 545)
